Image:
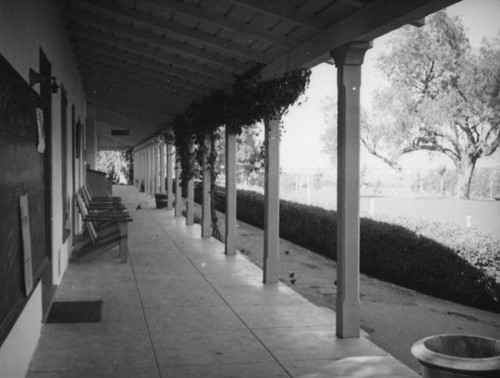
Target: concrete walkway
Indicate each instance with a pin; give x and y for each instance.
(181, 308)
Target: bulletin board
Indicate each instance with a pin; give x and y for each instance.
(22, 172)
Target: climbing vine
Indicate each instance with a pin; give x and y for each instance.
(249, 101)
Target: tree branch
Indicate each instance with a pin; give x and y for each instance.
(391, 163)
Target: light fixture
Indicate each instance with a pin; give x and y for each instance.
(35, 78)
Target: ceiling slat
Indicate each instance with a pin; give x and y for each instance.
(238, 26)
(144, 55)
(113, 26)
(114, 88)
(124, 60)
(228, 47)
(108, 78)
(367, 23)
(282, 11)
(113, 67)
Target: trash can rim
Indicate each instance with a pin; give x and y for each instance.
(429, 357)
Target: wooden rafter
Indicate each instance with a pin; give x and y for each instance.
(149, 70)
(113, 89)
(284, 12)
(127, 117)
(227, 23)
(108, 78)
(131, 102)
(127, 30)
(144, 55)
(367, 23)
(113, 68)
(211, 41)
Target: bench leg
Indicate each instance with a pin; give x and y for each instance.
(123, 226)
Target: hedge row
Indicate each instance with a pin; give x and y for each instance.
(456, 268)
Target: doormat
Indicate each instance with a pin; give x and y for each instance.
(75, 312)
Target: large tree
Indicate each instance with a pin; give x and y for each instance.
(442, 96)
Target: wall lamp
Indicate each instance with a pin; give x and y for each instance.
(36, 78)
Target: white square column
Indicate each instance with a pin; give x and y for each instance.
(272, 200)
(230, 237)
(206, 217)
(162, 148)
(169, 177)
(348, 60)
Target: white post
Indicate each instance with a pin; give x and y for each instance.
(230, 245)
(169, 177)
(272, 201)
(348, 60)
(206, 221)
(190, 203)
(162, 167)
(178, 190)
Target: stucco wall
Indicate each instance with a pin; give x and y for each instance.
(26, 26)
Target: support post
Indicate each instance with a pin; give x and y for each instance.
(147, 182)
(190, 203)
(206, 219)
(272, 201)
(156, 168)
(178, 190)
(169, 177)
(162, 167)
(348, 60)
(230, 237)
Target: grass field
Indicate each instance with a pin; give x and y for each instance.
(483, 215)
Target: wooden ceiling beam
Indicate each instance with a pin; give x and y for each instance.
(148, 71)
(283, 11)
(107, 79)
(214, 42)
(114, 26)
(225, 22)
(367, 23)
(133, 120)
(130, 103)
(143, 55)
(112, 88)
(97, 66)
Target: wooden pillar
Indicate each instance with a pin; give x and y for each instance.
(190, 203)
(348, 60)
(156, 168)
(146, 170)
(169, 177)
(230, 240)
(272, 198)
(162, 167)
(206, 219)
(178, 190)
(151, 171)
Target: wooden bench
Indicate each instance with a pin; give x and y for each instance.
(104, 225)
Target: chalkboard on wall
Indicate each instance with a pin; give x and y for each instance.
(21, 173)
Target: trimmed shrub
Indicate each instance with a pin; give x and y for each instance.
(438, 259)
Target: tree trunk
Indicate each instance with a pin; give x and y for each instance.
(465, 169)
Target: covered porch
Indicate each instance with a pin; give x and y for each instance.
(182, 307)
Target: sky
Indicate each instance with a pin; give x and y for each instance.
(301, 143)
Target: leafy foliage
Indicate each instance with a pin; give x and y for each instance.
(443, 97)
(442, 260)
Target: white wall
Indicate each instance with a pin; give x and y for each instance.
(25, 27)
(17, 349)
